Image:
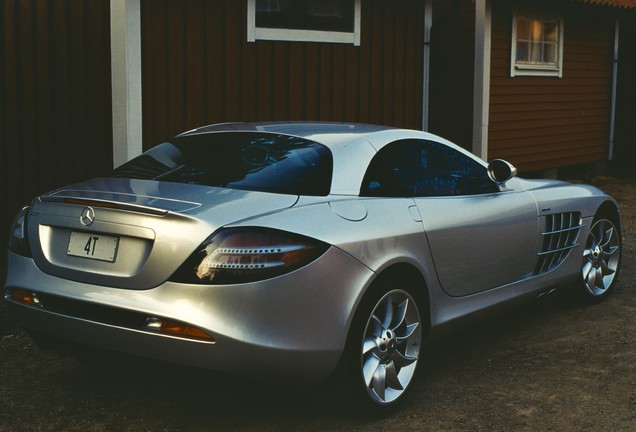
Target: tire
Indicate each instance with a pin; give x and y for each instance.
(384, 345)
(601, 261)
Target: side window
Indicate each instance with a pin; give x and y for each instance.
(418, 168)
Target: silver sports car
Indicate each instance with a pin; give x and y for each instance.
(289, 251)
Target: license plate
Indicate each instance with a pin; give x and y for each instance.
(94, 246)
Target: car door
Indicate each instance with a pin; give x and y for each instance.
(481, 236)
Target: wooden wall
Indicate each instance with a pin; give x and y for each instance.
(539, 123)
(198, 68)
(452, 66)
(55, 103)
(625, 132)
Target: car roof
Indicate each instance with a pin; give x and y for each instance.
(304, 129)
(353, 145)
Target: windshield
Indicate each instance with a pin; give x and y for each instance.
(255, 161)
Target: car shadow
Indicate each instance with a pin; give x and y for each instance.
(189, 397)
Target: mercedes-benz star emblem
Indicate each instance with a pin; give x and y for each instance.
(88, 216)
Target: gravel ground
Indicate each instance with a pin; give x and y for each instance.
(544, 366)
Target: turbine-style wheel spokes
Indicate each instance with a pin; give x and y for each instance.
(390, 346)
(601, 257)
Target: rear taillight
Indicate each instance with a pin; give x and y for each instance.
(241, 255)
(18, 239)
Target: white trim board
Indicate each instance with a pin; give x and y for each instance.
(125, 42)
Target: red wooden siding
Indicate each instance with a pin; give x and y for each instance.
(548, 122)
(55, 103)
(452, 66)
(198, 68)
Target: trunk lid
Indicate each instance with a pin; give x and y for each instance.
(134, 233)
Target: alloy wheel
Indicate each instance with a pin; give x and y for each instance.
(601, 257)
(391, 345)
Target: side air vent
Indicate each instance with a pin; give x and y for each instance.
(559, 238)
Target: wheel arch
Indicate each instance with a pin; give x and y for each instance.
(409, 273)
(609, 209)
(405, 273)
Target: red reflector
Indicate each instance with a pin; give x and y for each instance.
(25, 298)
(90, 203)
(174, 328)
(183, 330)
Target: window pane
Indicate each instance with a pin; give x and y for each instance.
(523, 29)
(523, 50)
(549, 53)
(535, 53)
(536, 30)
(450, 173)
(424, 168)
(393, 171)
(325, 15)
(238, 160)
(550, 32)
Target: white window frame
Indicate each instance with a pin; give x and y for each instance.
(524, 69)
(261, 33)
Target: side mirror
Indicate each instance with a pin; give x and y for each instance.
(500, 171)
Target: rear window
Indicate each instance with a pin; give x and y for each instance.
(254, 161)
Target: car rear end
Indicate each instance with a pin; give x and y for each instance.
(170, 268)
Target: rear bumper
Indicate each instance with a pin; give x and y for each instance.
(234, 357)
(288, 329)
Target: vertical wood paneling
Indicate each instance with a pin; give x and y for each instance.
(249, 80)
(376, 60)
(177, 54)
(155, 63)
(55, 104)
(9, 129)
(547, 122)
(625, 132)
(377, 82)
(325, 80)
(233, 36)
(195, 28)
(4, 117)
(26, 80)
(312, 88)
(214, 51)
(452, 66)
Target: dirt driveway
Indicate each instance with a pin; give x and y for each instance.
(546, 366)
